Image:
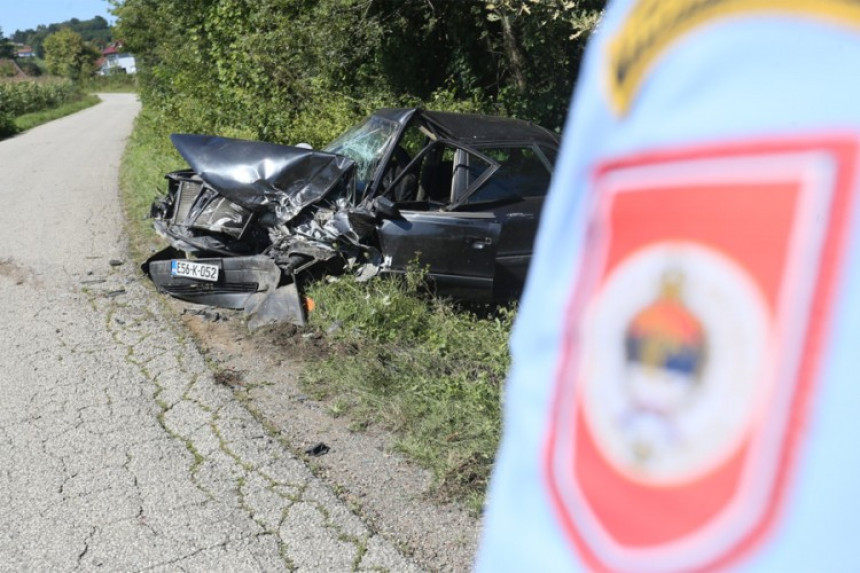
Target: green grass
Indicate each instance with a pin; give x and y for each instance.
(116, 83)
(148, 157)
(26, 104)
(419, 366)
(31, 120)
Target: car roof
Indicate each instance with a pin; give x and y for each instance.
(471, 128)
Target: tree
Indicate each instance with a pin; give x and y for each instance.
(68, 55)
(96, 31)
(542, 42)
(302, 70)
(7, 50)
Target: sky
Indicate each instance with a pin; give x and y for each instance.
(27, 14)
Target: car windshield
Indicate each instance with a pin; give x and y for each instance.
(365, 143)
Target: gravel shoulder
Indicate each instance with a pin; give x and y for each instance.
(388, 492)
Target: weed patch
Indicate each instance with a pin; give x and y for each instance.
(419, 366)
(148, 156)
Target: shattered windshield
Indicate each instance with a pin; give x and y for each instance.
(365, 143)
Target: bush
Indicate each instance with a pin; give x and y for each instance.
(7, 125)
(18, 98)
(30, 68)
(7, 69)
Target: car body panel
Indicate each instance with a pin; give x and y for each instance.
(458, 249)
(239, 279)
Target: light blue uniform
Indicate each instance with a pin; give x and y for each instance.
(769, 72)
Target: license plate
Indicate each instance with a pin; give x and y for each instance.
(192, 270)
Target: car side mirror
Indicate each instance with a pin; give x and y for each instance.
(386, 207)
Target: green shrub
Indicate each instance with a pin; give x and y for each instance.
(7, 125)
(32, 69)
(7, 69)
(31, 120)
(18, 98)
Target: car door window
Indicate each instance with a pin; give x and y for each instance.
(522, 173)
(440, 176)
(549, 153)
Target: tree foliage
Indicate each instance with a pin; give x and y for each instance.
(69, 56)
(95, 31)
(291, 70)
(7, 50)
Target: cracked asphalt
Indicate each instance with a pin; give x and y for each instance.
(118, 451)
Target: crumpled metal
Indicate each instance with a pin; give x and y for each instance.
(264, 176)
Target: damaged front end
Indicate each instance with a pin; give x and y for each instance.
(249, 221)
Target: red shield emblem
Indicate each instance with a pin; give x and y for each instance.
(691, 348)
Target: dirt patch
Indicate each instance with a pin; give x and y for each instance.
(19, 274)
(389, 493)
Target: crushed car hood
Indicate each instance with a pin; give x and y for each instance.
(263, 176)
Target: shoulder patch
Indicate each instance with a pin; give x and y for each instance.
(691, 348)
(652, 26)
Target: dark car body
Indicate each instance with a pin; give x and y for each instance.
(460, 194)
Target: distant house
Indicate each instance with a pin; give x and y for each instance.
(114, 60)
(24, 51)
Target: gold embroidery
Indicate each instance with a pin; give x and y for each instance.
(653, 25)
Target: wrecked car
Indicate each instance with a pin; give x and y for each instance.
(249, 221)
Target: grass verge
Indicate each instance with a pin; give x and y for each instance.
(31, 120)
(417, 365)
(148, 156)
(117, 83)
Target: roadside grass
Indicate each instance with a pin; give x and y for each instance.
(31, 120)
(147, 158)
(27, 103)
(388, 354)
(420, 366)
(116, 83)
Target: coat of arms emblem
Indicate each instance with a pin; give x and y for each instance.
(691, 349)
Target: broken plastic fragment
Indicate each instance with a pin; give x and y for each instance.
(317, 450)
(282, 305)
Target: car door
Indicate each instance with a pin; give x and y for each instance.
(458, 248)
(515, 196)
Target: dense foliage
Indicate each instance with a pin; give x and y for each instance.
(7, 50)
(68, 55)
(95, 31)
(19, 98)
(8, 69)
(300, 70)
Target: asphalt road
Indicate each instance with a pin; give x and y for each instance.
(118, 451)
